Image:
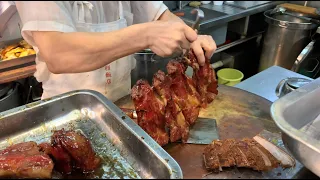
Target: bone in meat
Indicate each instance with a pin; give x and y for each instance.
(182, 90)
(150, 110)
(178, 126)
(204, 78)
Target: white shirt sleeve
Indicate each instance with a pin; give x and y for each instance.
(146, 11)
(44, 16)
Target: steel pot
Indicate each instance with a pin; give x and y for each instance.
(285, 38)
(147, 64)
(288, 85)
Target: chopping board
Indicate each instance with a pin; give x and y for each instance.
(239, 114)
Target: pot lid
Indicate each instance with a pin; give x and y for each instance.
(297, 82)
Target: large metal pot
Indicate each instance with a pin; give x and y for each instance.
(147, 66)
(285, 38)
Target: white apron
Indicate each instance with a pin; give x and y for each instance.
(113, 80)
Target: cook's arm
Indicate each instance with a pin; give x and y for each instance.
(82, 51)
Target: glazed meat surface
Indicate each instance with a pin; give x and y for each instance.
(184, 93)
(150, 110)
(72, 149)
(174, 101)
(68, 151)
(204, 78)
(178, 126)
(25, 160)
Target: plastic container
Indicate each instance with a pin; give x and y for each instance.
(229, 76)
(205, 2)
(218, 3)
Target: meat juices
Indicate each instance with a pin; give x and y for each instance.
(241, 153)
(174, 99)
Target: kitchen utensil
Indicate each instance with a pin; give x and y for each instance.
(199, 16)
(128, 152)
(301, 9)
(239, 114)
(204, 131)
(302, 56)
(293, 114)
(195, 26)
(288, 85)
(282, 10)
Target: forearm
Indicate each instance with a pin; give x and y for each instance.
(84, 51)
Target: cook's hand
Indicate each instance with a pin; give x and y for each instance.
(169, 37)
(206, 43)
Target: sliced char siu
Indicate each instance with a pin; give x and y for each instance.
(245, 153)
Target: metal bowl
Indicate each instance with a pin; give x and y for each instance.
(297, 114)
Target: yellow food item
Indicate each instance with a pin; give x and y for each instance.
(27, 52)
(21, 49)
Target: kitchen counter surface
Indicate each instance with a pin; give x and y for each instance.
(264, 83)
(234, 13)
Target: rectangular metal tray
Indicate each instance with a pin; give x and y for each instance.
(127, 150)
(17, 61)
(297, 115)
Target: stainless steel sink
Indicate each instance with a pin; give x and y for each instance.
(218, 32)
(208, 15)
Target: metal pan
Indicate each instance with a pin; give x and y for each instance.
(297, 114)
(127, 151)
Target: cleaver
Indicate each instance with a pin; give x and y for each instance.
(204, 130)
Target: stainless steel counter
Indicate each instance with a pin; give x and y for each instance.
(264, 83)
(234, 13)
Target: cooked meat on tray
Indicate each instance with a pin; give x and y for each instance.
(76, 150)
(257, 154)
(17, 50)
(174, 100)
(25, 160)
(68, 151)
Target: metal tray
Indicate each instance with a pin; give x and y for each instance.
(17, 61)
(297, 115)
(127, 151)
